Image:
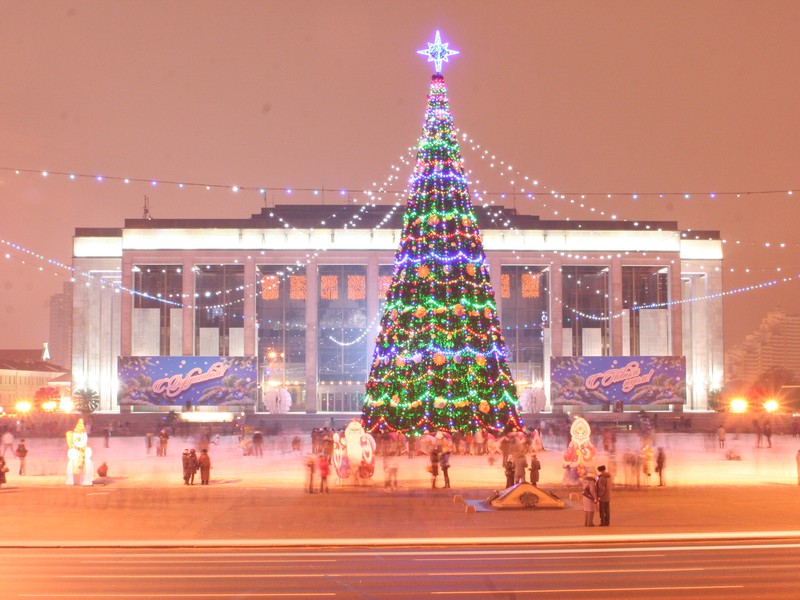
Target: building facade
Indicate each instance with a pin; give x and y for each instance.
(776, 343)
(60, 340)
(299, 289)
(22, 374)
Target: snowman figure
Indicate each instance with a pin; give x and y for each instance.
(79, 456)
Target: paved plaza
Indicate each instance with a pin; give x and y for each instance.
(262, 500)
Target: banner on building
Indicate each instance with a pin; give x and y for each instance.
(611, 380)
(176, 380)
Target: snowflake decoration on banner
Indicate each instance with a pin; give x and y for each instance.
(438, 52)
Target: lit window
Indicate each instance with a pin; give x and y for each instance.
(356, 287)
(530, 285)
(270, 287)
(329, 287)
(297, 287)
(384, 283)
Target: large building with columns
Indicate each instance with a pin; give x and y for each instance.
(297, 291)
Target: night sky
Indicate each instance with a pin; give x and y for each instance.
(588, 98)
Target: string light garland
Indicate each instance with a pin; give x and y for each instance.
(346, 191)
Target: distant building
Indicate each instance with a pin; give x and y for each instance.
(300, 303)
(60, 340)
(23, 373)
(776, 343)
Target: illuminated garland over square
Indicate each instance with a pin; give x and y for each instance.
(440, 360)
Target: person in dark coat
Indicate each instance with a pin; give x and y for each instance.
(536, 466)
(589, 500)
(205, 467)
(258, 443)
(21, 452)
(185, 464)
(3, 470)
(604, 495)
(444, 462)
(434, 466)
(194, 465)
(509, 469)
(661, 461)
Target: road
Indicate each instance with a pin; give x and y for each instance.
(749, 569)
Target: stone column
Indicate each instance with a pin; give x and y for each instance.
(188, 306)
(615, 305)
(250, 291)
(312, 331)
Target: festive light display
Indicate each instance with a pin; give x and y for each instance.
(438, 52)
(440, 361)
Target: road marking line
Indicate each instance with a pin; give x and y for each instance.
(655, 569)
(201, 552)
(592, 589)
(394, 542)
(187, 595)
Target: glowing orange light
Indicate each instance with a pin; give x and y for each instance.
(738, 405)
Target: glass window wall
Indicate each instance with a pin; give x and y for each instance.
(342, 318)
(157, 302)
(585, 312)
(281, 318)
(219, 310)
(524, 314)
(645, 316)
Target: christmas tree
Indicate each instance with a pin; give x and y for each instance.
(440, 358)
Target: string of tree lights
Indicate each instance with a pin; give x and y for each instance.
(50, 263)
(440, 360)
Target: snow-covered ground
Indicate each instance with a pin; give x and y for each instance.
(692, 459)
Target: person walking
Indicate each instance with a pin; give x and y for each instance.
(194, 465)
(311, 467)
(520, 466)
(721, 433)
(434, 466)
(163, 440)
(509, 470)
(21, 452)
(604, 495)
(536, 466)
(589, 500)
(444, 462)
(661, 460)
(185, 465)
(798, 467)
(7, 440)
(324, 469)
(390, 471)
(4, 469)
(205, 467)
(768, 434)
(258, 444)
(648, 462)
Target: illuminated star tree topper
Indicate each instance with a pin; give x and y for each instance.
(438, 52)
